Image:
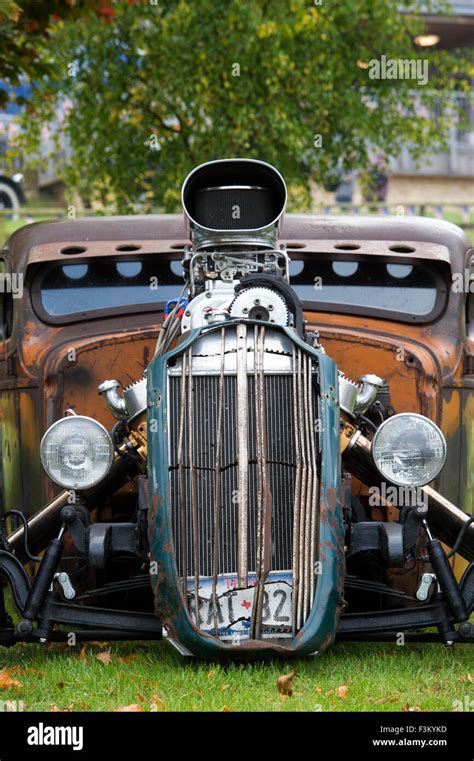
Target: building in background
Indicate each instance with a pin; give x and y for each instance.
(447, 175)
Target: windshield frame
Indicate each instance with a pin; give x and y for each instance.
(439, 269)
(41, 271)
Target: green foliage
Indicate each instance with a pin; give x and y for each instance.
(166, 84)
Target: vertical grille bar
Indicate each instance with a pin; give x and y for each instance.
(303, 496)
(309, 489)
(193, 475)
(218, 489)
(297, 497)
(315, 492)
(182, 481)
(264, 502)
(242, 447)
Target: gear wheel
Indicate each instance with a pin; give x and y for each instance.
(260, 303)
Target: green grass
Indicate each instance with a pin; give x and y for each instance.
(378, 677)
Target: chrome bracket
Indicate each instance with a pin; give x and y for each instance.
(65, 583)
(424, 587)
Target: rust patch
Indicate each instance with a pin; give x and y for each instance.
(331, 499)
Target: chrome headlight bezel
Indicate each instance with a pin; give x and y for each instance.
(108, 461)
(399, 419)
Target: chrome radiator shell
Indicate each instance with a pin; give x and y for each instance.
(251, 493)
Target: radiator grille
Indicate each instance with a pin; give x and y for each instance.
(275, 526)
(281, 468)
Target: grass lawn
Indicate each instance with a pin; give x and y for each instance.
(152, 676)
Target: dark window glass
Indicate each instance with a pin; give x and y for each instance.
(362, 286)
(67, 289)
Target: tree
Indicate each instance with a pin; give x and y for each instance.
(167, 84)
(25, 29)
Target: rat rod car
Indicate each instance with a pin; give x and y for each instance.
(280, 450)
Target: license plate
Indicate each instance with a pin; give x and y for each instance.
(233, 610)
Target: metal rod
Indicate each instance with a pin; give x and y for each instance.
(265, 497)
(194, 507)
(218, 488)
(314, 528)
(309, 491)
(242, 457)
(300, 429)
(182, 483)
(258, 442)
(297, 500)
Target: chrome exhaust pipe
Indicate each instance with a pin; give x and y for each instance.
(234, 203)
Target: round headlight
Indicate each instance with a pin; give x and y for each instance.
(77, 452)
(409, 450)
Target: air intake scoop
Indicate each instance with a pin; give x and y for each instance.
(234, 203)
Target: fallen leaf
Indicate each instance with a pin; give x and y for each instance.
(226, 709)
(319, 689)
(82, 654)
(25, 671)
(411, 709)
(60, 685)
(343, 691)
(6, 680)
(140, 697)
(394, 696)
(224, 687)
(104, 658)
(157, 704)
(55, 709)
(132, 708)
(97, 643)
(285, 684)
(36, 672)
(128, 658)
